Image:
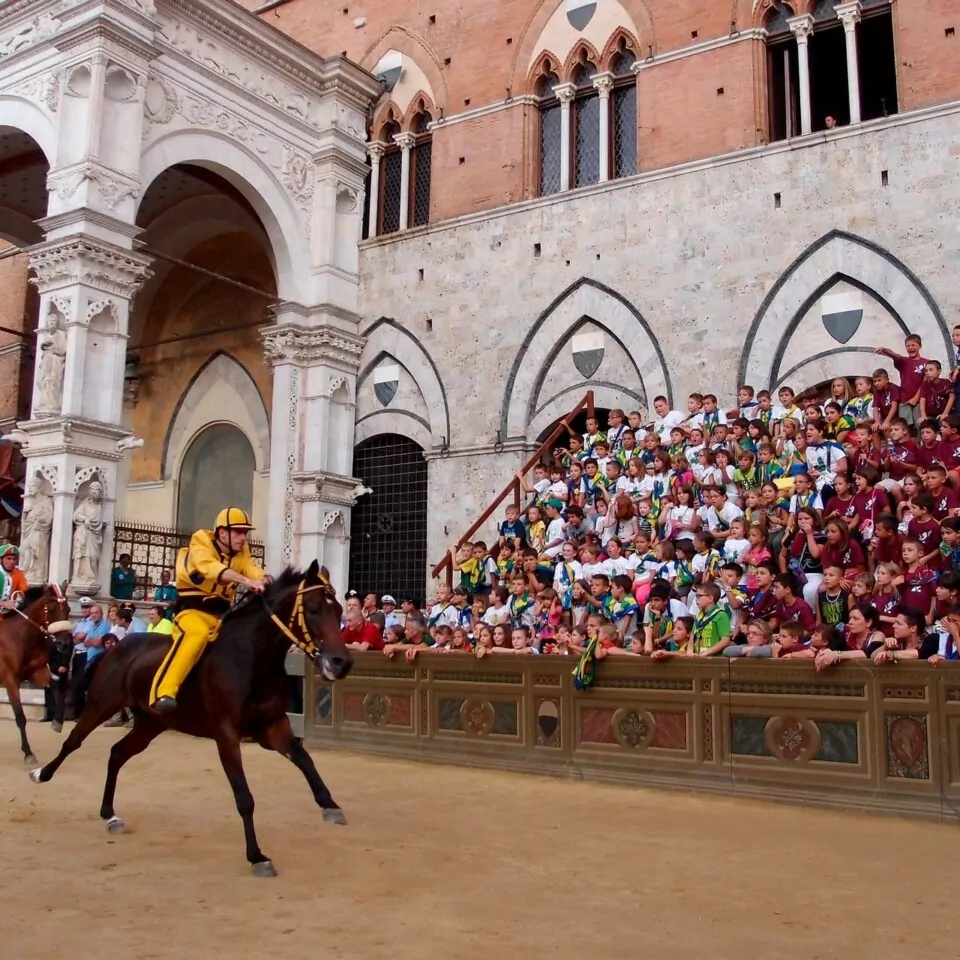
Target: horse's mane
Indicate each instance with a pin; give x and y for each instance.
(32, 595)
(287, 581)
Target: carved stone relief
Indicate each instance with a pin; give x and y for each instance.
(36, 525)
(53, 353)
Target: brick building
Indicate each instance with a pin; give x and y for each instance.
(683, 191)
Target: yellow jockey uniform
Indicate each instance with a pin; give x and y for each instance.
(203, 598)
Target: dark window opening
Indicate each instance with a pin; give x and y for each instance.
(578, 425)
(365, 227)
(585, 127)
(623, 118)
(391, 177)
(549, 144)
(388, 528)
(876, 58)
(828, 76)
(783, 69)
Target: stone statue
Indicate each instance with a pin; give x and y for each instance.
(88, 535)
(35, 527)
(53, 352)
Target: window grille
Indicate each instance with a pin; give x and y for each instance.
(391, 178)
(586, 139)
(549, 149)
(624, 107)
(388, 528)
(422, 162)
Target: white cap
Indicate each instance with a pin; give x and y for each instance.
(85, 602)
(386, 598)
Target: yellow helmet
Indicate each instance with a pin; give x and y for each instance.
(233, 518)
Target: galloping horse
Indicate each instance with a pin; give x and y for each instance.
(26, 635)
(237, 690)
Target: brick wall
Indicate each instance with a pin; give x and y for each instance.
(680, 115)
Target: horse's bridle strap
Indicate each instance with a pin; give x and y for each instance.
(305, 641)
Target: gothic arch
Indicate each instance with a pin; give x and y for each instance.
(257, 183)
(387, 338)
(530, 36)
(606, 308)
(413, 46)
(228, 376)
(610, 50)
(837, 255)
(422, 96)
(582, 48)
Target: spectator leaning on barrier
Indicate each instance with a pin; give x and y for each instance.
(157, 622)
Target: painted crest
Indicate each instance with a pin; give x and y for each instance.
(386, 379)
(587, 353)
(580, 12)
(842, 313)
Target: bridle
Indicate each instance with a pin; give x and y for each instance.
(44, 627)
(297, 621)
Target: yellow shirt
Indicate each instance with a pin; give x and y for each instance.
(200, 565)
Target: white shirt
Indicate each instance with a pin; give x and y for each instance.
(592, 569)
(681, 515)
(779, 412)
(447, 615)
(495, 615)
(576, 573)
(824, 457)
(618, 566)
(555, 532)
(733, 548)
(722, 519)
(663, 425)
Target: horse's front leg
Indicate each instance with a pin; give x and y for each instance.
(279, 736)
(13, 692)
(228, 745)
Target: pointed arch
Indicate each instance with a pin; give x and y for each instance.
(223, 373)
(411, 45)
(540, 69)
(585, 299)
(388, 338)
(582, 48)
(610, 50)
(838, 255)
(421, 102)
(387, 112)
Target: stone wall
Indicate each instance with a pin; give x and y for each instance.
(696, 273)
(18, 306)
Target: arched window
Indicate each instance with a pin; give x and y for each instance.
(784, 74)
(420, 168)
(549, 108)
(388, 527)
(585, 125)
(216, 472)
(623, 114)
(391, 178)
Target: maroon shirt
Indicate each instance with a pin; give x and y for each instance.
(849, 557)
(951, 453)
(889, 550)
(873, 457)
(844, 509)
(943, 502)
(883, 400)
(928, 456)
(927, 532)
(798, 611)
(935, 394)
(888, 605)
(911, 370)
(919, 587)
(900, 455)
(869, 504)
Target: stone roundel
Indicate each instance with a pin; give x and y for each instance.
(793, 739)
(376, 709)
(477, 717)
(633, 728)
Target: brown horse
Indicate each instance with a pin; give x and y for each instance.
(26, 635)
(239, 689)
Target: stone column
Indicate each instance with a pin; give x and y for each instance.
(376, 151)
(565, 93)
(849, 14)
(75, 438)
(405, 141)
(802, 27)
(604, 84)
(314, 384)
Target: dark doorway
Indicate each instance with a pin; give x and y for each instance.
(784, 72)
(828, 77)
(878, 66)
(388, 528)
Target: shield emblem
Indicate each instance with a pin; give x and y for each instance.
(587, 353)
(389, 68)
(386, 379)
(842, 313)
(580, 12)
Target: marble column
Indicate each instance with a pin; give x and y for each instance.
(565, 93)
(604, 84)
(405, 141)
(802, 28)
(376, 151)
(849, 14)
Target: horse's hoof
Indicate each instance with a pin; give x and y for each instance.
(335, 815)
(116, 826)
(264, 869)
(56, 726)
(35, 774)
(29, 759)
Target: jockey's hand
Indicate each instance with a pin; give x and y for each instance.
(256, 586)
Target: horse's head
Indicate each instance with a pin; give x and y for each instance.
(309, 616)
(48, 610)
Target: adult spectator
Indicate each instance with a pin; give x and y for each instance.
(361, 634)
(390, 616)
(123, 580)
(371, 611)
(157, 621)
(137, 623)
(415, 638)
(166, 592)
(87, 649)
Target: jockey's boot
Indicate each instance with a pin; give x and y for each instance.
(165, 705)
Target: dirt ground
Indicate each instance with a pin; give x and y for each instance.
(447, 862)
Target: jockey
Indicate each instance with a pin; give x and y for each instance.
(209, 571)
(12, 579)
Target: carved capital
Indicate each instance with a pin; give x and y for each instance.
(565, 92)
(405, 141)
(849, 14)
(376, 150)
(604, 84)
(62, 263)
(802, 27)
(311, 346)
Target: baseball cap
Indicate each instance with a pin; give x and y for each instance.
(386, 598)
(555, 503)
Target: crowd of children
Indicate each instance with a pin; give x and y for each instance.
(787, 527)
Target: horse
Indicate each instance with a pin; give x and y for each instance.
(238, 690)
(26, 635)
